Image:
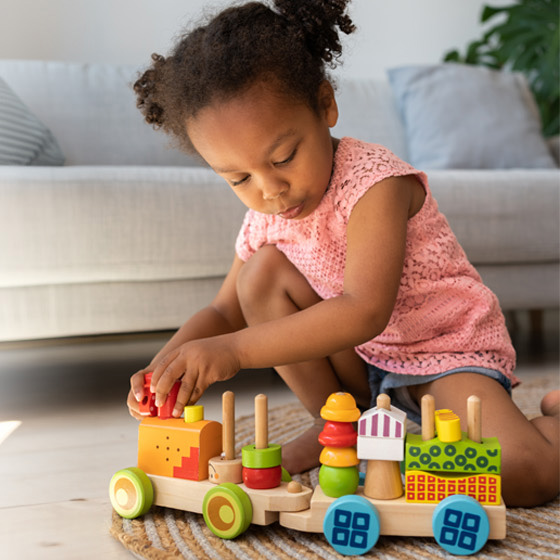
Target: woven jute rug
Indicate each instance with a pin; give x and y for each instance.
(165, 533)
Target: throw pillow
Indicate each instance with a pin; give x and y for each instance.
(24, 139)
(468, 117)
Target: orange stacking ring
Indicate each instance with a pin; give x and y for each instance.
(339, 457)
(340, 407)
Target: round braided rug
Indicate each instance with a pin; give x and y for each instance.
(166, 533)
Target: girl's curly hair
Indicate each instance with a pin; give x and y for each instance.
(292, 43)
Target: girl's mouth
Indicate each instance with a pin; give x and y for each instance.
(292, 212)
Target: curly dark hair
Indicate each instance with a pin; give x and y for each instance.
(291, 42)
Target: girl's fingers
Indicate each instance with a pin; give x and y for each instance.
(166, 374)
(137, 385)
(188, 384)
(133, 406)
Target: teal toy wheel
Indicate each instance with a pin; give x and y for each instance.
(227, 510)
(351, 525)
(460, 525)
(131, 492)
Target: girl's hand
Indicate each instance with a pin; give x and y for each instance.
(136, 393)
(197, 364)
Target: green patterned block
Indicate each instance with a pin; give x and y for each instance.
(463, 456)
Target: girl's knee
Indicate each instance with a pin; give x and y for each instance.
(269, 286)
(258, 272)
(260, 278)
(530, 474)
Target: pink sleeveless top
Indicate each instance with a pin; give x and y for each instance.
(444, 317)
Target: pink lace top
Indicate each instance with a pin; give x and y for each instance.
(444, 317)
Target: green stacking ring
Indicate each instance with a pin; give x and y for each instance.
(252, 458)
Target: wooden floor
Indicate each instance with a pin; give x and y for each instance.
(64, 430)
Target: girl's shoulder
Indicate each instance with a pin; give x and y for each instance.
(360, 165)
(356, 160)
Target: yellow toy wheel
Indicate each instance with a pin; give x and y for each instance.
(131, 492)
(227, 510)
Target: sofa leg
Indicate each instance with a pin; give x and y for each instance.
(536, 338)
(536, 321)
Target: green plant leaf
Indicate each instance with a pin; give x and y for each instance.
(525, 38)
(453, 56)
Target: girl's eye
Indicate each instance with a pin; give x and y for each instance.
(240, 182)
(288, 159)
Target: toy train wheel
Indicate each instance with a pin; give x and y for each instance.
(460, 525)
(351, 525)
(131, 492)
(227, 510)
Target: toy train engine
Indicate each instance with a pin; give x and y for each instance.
(177, 448)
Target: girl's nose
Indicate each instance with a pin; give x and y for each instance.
(273, 189)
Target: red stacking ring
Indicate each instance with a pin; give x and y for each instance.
(338, 434)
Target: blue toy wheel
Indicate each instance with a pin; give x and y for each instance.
(351, 525)
(460, 525)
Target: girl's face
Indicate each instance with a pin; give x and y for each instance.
(276, 154)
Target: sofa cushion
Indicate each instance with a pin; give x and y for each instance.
(502, 217)
(467, 117)
(83, 225)
(24, 139)
(91, 110)
(367, 111)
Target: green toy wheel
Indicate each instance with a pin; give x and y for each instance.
(131, 492)
(227, 510)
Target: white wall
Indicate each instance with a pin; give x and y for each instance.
(390, 32)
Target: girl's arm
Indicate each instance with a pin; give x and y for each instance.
(222, 316)
(376, 239)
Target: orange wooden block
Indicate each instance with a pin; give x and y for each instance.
(177, 449)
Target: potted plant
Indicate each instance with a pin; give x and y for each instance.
(525, 38)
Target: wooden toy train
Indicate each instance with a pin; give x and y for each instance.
(452, 485)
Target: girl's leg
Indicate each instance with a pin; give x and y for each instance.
(270, 287)
(530, 449)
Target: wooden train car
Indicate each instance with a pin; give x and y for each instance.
(189, 464)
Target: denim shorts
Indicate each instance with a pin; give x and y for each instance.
(396, 386)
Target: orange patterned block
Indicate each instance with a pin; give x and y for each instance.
(178, 449)
(432, 488)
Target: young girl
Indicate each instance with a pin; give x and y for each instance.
(346, 276)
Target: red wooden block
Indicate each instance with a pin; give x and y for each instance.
(147, 405)
(261, 479)
(166, 411)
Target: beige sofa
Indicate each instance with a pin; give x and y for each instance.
(130, 235)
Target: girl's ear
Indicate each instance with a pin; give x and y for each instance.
(327, 103)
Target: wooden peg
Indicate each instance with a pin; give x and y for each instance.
(225, 467)
(428, 417)
(228, 423)
(474, 419)
(261, 422)
(384, 401)
(383, 480)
